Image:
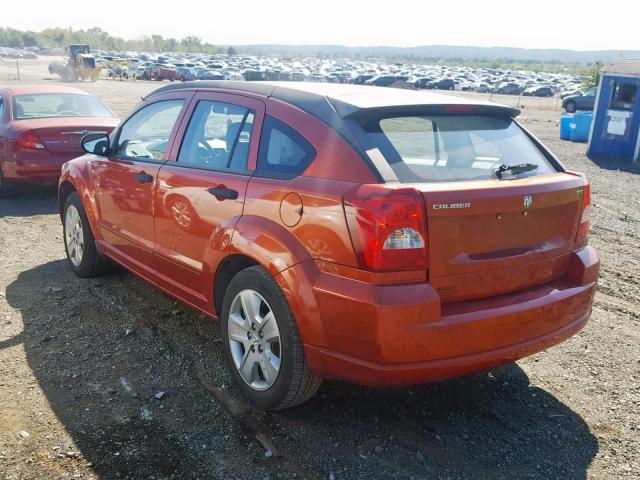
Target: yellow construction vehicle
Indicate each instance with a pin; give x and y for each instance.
(81, 65)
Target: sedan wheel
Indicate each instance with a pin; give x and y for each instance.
(254, 339)
(6, 189)
(74, 236)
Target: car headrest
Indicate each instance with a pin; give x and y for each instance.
(18, 111)
(232, 133)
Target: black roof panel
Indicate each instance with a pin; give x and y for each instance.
(325, 100)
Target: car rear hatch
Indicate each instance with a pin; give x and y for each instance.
(489, 231)
(494, 237)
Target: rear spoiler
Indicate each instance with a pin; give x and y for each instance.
(346, 110)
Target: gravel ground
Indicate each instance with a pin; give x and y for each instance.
(109, 378)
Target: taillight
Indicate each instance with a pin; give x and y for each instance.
(387, 227)
(585, 219)
(30, 141)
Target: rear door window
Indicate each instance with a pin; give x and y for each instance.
(283, 152)
(448, 148)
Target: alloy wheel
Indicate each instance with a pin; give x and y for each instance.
(254, 339)
(74, 237)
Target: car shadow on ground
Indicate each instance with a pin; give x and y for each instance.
(621, 164)
(30, 200)
(103, 350)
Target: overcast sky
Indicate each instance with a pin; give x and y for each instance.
(515, 23)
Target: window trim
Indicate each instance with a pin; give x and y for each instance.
(247, 171)
(268, 125)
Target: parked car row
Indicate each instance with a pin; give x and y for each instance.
(17, 53)
(253, 68)
(379, 236)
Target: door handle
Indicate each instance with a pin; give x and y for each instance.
(143, 177)
(223, 193)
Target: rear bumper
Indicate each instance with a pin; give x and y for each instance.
(401, 334)
(333, 364)
(36, 167)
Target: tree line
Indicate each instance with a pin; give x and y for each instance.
(98, 39)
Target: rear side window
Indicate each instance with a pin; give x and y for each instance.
(448, 148)
(284, 153)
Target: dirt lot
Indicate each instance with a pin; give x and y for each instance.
(82, 362)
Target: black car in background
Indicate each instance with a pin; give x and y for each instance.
(584, 101)
(423, 82)
(382, 80)
(509, 88)
(446, 84)
(539, 92)
(362, 79)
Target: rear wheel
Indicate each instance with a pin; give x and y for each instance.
(7, 189)
(82, 254)
(262, 343)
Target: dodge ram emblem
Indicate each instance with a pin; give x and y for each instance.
(528, 200)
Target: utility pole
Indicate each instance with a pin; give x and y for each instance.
(18, 67)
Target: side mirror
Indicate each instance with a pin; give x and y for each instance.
(96, 143)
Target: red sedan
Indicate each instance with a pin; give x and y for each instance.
(41, 128)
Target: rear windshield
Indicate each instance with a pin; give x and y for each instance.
(445, 148)
(45, 105)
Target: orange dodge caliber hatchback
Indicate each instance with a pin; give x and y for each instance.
(377, 235)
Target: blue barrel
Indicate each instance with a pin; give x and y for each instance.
(565, 126)
(581, 126)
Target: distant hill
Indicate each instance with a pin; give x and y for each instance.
(443, 52)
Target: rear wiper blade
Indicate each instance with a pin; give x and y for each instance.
(515, 169)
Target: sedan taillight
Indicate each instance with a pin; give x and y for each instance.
(30, 141)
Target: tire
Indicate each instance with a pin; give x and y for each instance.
(7, 189)
(294, 383)
(83, 256)
(570, 106)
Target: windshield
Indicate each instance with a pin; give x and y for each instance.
(445, 148)
(44, 105)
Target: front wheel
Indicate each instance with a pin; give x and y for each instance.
(262, 344)
(82, 254)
